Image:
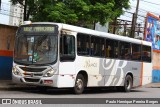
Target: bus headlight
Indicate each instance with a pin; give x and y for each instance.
(49, 73)
(16, 71)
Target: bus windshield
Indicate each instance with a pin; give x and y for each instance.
(36, 44)
(36, 49)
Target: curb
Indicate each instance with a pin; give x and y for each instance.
(152, 85)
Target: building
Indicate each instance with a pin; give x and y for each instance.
(7, 38)
(16, 15)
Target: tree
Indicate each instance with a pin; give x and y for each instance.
(80, 12)
(76, 12)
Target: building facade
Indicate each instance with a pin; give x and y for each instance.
(16, 15)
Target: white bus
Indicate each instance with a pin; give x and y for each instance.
(65, 56)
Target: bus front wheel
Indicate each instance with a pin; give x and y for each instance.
(79, 84)
(128, 83)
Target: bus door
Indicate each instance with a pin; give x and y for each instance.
(67, 58)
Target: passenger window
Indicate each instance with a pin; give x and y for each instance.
(125, 50)
(83, 44)
(67, 47)
(116, 49)
(136, 52)
(97, 46)
(146, 53)
(111, 48)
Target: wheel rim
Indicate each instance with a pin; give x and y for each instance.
(128, 84)
(79, 84)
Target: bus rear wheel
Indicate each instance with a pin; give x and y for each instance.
(128, 84)
(79, 84)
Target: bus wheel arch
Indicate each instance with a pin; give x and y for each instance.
(80, 82)
(85, 75)
(128, 82)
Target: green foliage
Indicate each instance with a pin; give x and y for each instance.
(76, 12)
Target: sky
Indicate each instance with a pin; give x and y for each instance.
(152, 6)
(5, 8)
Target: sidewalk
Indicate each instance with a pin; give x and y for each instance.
(8, 85)
(152, 85)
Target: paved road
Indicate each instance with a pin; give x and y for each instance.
(33, 92)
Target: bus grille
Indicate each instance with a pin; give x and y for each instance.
(31, 80)
(32, 69)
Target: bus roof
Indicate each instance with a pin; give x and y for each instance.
(96, 33)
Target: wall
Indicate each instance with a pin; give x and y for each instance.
(7, 38)
(156, 66)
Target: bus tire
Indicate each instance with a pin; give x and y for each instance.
(128, 84)
(79, 84)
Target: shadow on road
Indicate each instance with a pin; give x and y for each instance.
(69, 91)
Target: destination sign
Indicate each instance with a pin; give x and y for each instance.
(38, 29)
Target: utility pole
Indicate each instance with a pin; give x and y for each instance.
(0, 4)
(125, 29)
(25, 9)
(115, 25)
(134, 20)
(139, 29)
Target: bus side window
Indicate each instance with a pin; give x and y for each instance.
(110, 48)
(136, 52)
(116, 49)
(102, 53)
(67, 48)
(146, 53)
(83, 44)
(125, 50)
(97, 46)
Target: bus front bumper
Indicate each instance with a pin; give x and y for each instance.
(39, 81)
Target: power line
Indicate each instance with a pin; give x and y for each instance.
(127, 16)
(140, 9)
(132, 13)
(131, 18)
(138, 16)
(150, 2)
